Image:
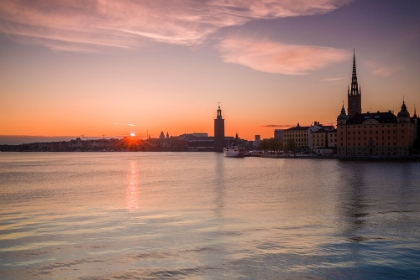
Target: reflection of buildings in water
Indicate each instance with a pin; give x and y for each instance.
(132, 190)
(219, 185)
(353, 206)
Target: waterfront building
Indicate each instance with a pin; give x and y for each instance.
(373, 134)
(307, 138)
(219, 132)
(257, 141)
(298, 135)
(323, 141)
(278, 134)
(332, 139)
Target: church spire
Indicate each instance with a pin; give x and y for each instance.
(354, 84)
(354, 95)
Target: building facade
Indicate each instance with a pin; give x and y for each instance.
(278, 134)
(322, 139)
(298, 135)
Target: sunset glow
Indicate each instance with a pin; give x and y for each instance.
(101, 68)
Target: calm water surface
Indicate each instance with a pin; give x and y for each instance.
(203, 216)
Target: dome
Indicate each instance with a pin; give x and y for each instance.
(343, 115)
(403, 113)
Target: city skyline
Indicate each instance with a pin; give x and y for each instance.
(118, 68)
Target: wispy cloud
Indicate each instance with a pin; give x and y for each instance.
(381, 69)
(273, 57)
(277, 125)
(332, 79)
(128, 124)
(83, 26)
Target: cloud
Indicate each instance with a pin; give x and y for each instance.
(277, 125)
(382, 70)
(128, 124)
(95, 25)
(274, 57)
(332, 79)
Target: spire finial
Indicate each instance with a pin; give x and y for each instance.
(403, 106)
(354, 63)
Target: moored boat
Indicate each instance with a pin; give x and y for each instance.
(234, 151)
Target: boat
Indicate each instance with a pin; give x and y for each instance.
(234, 151)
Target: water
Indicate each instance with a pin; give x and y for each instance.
(203, 216)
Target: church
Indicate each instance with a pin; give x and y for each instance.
(373, 133)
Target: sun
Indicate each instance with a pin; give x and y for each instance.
(132, 134)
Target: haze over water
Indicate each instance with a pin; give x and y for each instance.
(203, 216)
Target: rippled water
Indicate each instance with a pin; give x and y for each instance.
(203, 216)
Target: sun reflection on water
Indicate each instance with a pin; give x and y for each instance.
(132, 191)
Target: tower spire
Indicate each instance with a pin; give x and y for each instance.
(354, 95)
(354, 84)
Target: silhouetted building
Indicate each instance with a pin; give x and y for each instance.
(278, 134)
(354, 94)
(373, 134)
(219, 132)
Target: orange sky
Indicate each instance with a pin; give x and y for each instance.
(92, 69)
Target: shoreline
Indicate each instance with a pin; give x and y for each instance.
(415, 158)
(350, 158)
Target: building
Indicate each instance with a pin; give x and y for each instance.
(279, 134)
(323, 141)
(298, 135)
(308, 138)
(332, 139)
(219, 132)
(373, 134)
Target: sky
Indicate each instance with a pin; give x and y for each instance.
(105, 68)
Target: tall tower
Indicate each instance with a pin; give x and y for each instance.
(354, 94)
(219, 132)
